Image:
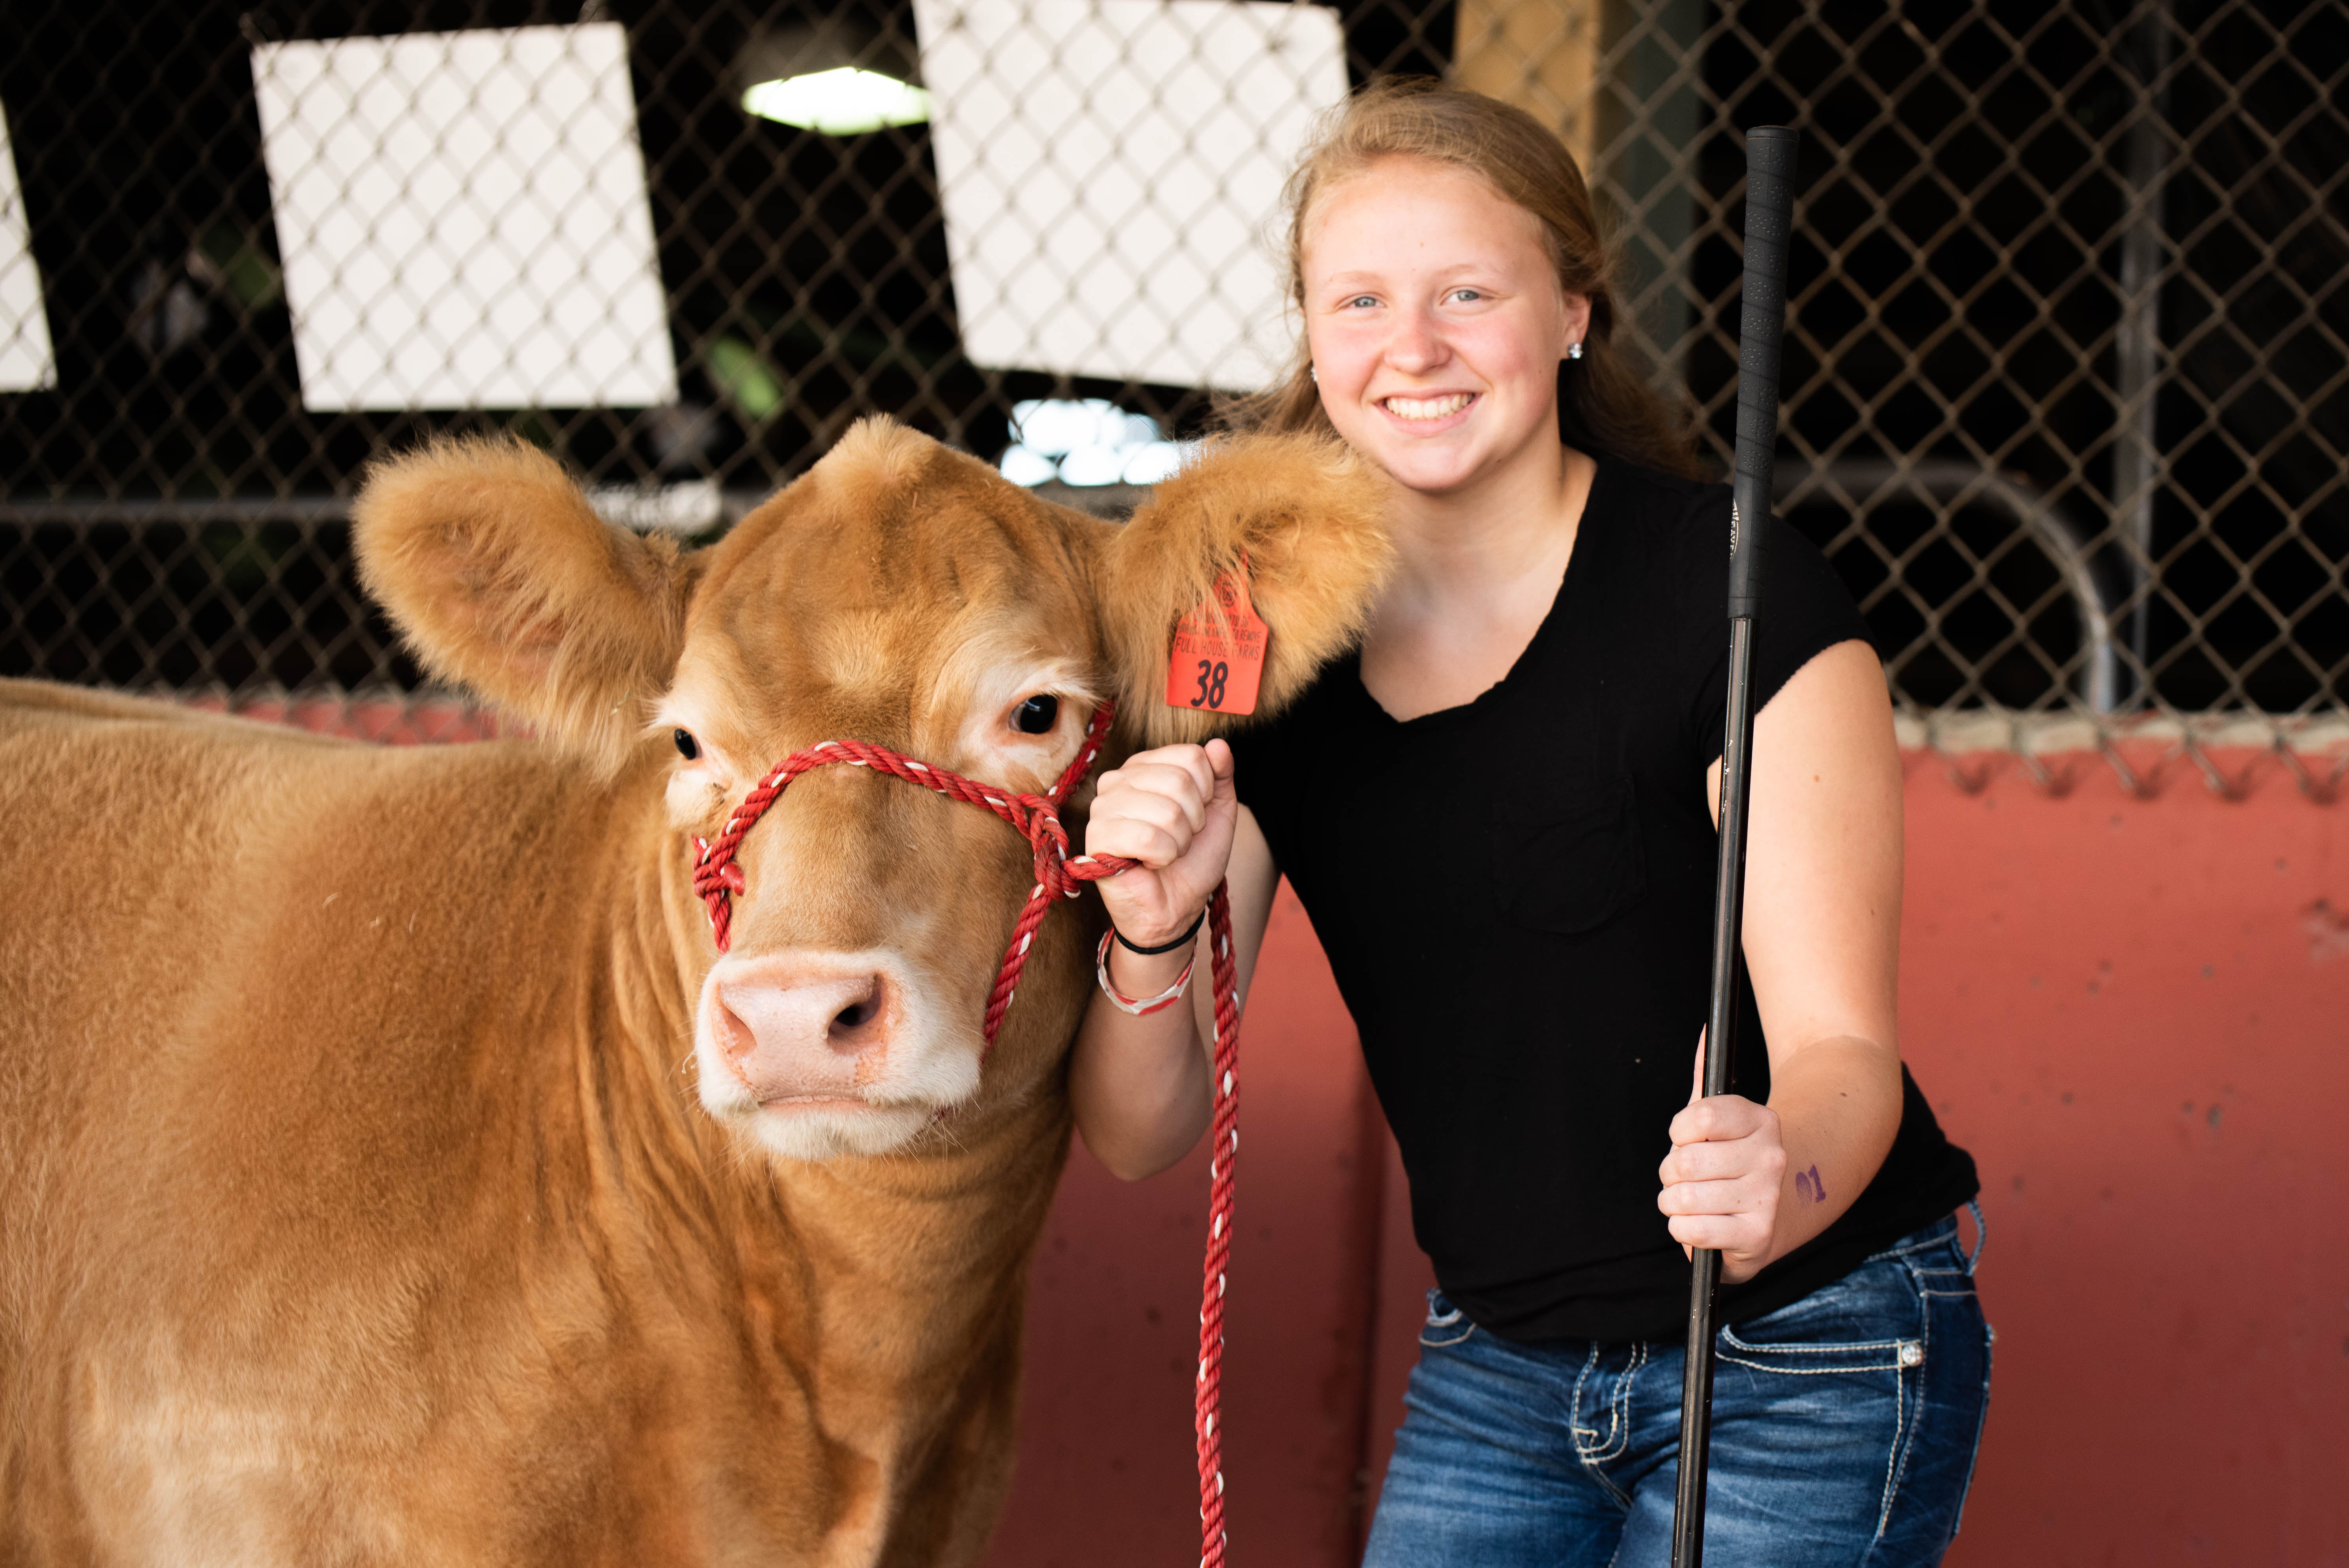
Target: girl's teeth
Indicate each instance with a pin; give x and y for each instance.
(1427, 407)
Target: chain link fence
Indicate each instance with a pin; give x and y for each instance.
(2067, 398)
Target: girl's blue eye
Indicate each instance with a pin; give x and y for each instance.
(1361, 299)
(1466, 293)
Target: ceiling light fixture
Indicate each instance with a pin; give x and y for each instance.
(843, 75)
(842, 101)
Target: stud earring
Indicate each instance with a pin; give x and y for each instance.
(1574, 349)
(1313, 375)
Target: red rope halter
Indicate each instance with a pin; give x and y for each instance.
(717, 877)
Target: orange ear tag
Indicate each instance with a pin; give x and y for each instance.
(1218, 655)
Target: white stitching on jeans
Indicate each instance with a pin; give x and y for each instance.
(1586, 1452)
(1893, 1460)
(1903, 1439)
(1444, 1319)
(1618, 1424)
(1619, 1415)
(1815, 1371)
(1812, 1349)
(1575, 1420)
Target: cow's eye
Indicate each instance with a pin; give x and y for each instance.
(1037, 715)
(687, 746)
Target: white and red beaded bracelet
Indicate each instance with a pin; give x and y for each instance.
(1145, 1006)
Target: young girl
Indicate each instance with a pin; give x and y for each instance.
(1500, 816)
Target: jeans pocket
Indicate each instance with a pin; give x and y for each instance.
(1800, 1357)
(1446, 1324)
(1872, 1320)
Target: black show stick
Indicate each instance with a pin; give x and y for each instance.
(1769, 214)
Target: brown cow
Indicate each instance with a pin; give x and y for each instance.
(393, 1170)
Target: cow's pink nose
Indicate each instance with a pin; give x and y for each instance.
(796, 1028)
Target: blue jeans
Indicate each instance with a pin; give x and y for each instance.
(1844, 1428)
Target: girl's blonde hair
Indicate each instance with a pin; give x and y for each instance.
(1603, 404)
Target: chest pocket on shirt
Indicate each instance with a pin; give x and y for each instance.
(1569, 866)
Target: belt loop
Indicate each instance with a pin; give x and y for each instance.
(1981, 1235)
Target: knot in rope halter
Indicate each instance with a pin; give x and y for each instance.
(717, 877)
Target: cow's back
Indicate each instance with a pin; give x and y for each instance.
(275, 1095)
(206, 922)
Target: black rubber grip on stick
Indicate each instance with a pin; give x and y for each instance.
(1769, 225)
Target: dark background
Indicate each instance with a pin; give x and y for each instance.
(170, 515)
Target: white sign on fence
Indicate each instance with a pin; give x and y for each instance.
(27, 363)
(1109, 168)
(463, 221)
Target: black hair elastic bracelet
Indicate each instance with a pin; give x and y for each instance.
(1162, 947)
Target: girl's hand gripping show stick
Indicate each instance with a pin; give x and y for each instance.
(1769, 212)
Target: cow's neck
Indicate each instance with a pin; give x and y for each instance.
(882, 1293)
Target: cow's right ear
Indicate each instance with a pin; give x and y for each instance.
(1307, 516)
(502, 579)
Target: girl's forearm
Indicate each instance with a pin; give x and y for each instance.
(1839, 1107)
(1139, 1086)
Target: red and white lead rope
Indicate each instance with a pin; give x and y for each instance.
(717, 876)
(1209, 1398)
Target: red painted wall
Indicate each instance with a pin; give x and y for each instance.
(2134, 1012)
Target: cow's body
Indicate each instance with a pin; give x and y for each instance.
(426, 1257)
(394, 1172)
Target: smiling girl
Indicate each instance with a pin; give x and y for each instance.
(1524, 944)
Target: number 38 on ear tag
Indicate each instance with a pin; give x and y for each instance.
(1218, 655)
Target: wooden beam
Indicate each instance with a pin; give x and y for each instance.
(1539, 55)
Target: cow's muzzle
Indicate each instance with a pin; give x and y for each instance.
(818, 1054)
(805, 1027)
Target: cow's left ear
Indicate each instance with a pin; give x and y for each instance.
(1307, 518)
(502, 579)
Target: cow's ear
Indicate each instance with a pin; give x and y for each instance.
(1309, 519)
(502, 579)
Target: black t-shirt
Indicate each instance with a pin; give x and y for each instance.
(1516, 895)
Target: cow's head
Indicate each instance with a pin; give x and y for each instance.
(900, 594)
